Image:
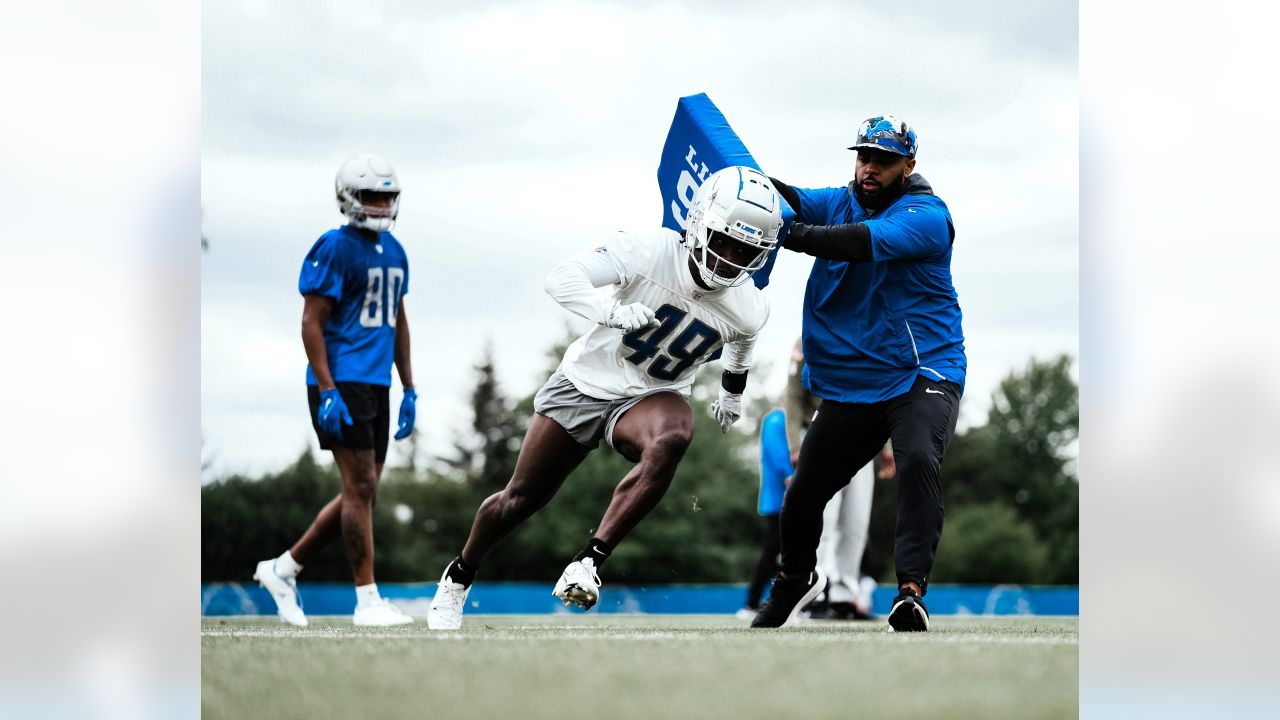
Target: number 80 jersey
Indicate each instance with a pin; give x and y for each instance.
(696, 324)
(366, 276)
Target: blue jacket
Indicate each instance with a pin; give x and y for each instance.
(775, 462)
(871, 327)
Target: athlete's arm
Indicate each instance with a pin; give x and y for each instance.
(403, 365)
(408, 404)
(315, 312)
(575, 284)
(734, 382)
(737, 361)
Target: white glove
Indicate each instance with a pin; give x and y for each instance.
(629, 318)
(727, 408)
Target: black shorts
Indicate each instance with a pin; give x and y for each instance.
(370, 408)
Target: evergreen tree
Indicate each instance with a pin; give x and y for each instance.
(486, 456)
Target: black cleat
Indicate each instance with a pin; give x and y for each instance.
(909, 613)
(788, 597)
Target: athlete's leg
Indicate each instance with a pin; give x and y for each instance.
(657, 430)
(359, 488)
(324, 529)
(547, 456)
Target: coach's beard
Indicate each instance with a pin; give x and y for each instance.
(882, 198)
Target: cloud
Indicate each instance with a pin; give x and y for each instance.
(524, 132)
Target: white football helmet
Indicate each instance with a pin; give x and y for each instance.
(367, 174)
(733, 224)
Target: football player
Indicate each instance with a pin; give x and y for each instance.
(677, 302)
(354, 326)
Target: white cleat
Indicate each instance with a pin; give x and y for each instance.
(380, 614)
(579, 584)
(447, 605)
(284, 591)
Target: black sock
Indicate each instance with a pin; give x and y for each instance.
(460, 572)
(596, 549)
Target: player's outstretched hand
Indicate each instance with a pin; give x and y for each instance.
(727, 408)
(629, 318)
(333, 412)
(408, 413)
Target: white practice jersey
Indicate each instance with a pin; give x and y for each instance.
(696, 324)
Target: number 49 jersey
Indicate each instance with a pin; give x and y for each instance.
(696, 324)
(366, 277)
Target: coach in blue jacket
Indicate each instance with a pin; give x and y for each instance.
(884, 349)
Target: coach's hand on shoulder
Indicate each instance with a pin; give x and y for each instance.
(629, 318)
(333, 412)
(408, 413)
(727, 408)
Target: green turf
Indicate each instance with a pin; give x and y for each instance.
(602, 667)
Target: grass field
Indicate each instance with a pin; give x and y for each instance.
(600, 667)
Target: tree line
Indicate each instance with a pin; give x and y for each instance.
(1009, 486)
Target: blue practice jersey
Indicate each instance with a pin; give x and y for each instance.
(366, 277)
(775, 462)
(870, 328)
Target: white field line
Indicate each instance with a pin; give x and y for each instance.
(580, 633)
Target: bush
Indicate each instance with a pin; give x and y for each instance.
(989, 543)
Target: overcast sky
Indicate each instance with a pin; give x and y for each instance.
(524, 132)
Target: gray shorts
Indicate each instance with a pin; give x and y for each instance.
(587, 419)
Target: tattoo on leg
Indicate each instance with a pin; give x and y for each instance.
(357, 550)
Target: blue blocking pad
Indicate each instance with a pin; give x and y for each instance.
(699, 143)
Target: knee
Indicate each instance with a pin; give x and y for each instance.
(669, 444)
(514, 505)
(362, 487)
(917, 463)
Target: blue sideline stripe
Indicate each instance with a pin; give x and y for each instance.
(535, 598)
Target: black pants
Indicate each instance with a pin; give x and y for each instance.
(767, 565)
(846, 436)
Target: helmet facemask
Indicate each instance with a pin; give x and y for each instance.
(360, 179)
(370, 216)
(733, 224)
(727, 260)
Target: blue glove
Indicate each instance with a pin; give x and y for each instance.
(333, 412)
(408, 413)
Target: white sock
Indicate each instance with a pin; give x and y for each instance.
(286, 566)
(367, 594)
